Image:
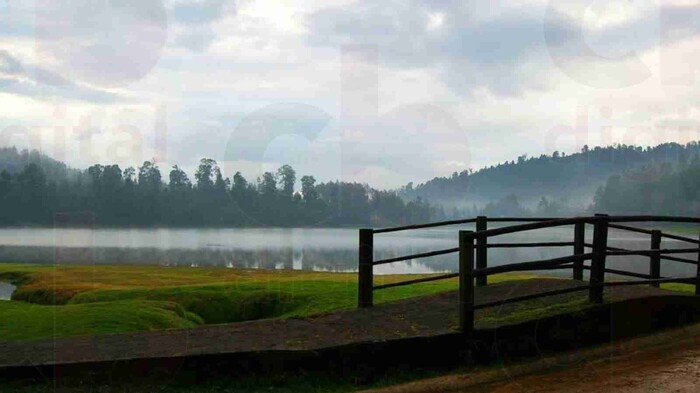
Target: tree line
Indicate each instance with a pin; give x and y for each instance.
(144, 196)
(661, 189)
(664, 179)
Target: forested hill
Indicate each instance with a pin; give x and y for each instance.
(34, 189)
(13, 161)
(571, 179)
(660, 190)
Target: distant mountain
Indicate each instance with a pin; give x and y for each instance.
(14, 161)
(569, 179)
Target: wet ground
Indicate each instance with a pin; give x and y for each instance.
(665, 362)
(671, 369)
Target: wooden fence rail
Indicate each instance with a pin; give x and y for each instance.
(473, 249)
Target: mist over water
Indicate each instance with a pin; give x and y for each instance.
(295, 248)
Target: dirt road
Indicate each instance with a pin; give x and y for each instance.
(666, 362)
(648, 371)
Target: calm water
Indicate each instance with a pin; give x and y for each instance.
(293, 248)
(6, 290)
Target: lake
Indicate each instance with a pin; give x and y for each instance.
(319, 249)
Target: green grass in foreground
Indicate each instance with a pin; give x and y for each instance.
(220, 303)
(28, 321)
(111, 299)
(83, 300)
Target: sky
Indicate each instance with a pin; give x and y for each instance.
(380, 92)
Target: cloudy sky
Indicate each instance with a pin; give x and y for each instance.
(384, 92)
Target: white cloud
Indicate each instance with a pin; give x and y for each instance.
(460, 84)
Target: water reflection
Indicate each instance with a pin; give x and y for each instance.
(6, 290)
(294, 248)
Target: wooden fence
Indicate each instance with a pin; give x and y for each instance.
(473, 249)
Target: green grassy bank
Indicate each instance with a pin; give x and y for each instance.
(62, 301)
(23, 321)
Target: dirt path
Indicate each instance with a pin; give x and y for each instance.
(644, 372)
(666, 362)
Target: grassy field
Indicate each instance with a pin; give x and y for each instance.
(82, 300)
(25, 320)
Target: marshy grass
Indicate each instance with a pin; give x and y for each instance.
(85, 300)
(24, 321)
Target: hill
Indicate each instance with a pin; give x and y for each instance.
(661, 190)
(14, 161)
(570, 180)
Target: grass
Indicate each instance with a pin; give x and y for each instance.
(533, 310)
(679, 287)
(111, 299)
(58, 284)
(84, 294)
(220, 303)
(22, 321)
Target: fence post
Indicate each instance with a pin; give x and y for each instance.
(365, 280)
(697, 273)
(579, 248)
(481, 250)
(466, 282)
(600, 244)
(655, 258)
